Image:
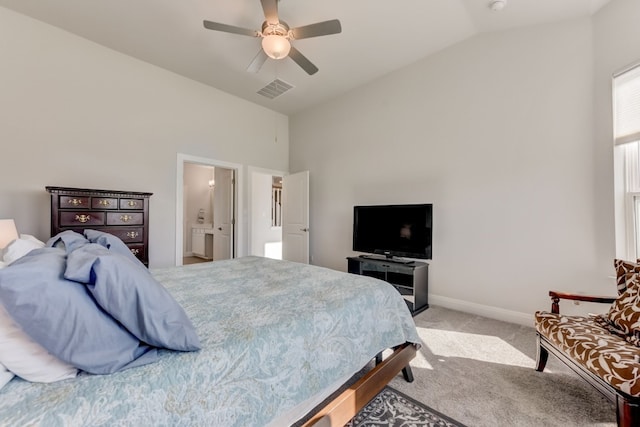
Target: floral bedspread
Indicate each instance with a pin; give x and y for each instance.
(273, 334)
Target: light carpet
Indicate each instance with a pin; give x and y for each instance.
(480, 372)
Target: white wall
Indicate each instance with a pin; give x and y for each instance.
(497, 132)
(616, 35)
(73, 113)
(508, 134)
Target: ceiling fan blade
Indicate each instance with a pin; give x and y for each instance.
(302, 61)
(318, 29)
(257, 62)
(270, 8)
(216, 26)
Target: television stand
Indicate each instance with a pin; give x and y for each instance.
(387, 259)
(410, 279)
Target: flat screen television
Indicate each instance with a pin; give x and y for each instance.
(393, 230)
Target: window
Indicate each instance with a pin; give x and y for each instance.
(627, 167)
(626, 122)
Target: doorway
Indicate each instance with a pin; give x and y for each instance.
(265, 224)
(207, 206)
(281, 229)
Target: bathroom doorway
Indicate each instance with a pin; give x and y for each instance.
(207, 206)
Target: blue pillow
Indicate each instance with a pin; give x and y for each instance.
(62, 317)
(113, 243)
(67, 240)
(126, 290)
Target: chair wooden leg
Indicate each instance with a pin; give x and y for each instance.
(541, 356)
(628, 414)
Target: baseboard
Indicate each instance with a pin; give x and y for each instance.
(525, 319)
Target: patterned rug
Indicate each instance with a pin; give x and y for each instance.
(390, 408)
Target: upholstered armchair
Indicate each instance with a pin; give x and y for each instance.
(602, 349)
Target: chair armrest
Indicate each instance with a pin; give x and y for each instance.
(557, 296)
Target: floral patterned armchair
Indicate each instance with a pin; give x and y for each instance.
(603, 349)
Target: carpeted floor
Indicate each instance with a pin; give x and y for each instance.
(480, 372)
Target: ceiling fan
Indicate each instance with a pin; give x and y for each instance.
(277, 36)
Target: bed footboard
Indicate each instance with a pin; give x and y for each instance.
(344, 407)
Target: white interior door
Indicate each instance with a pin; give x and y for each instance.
(223, 216)
(295, 217)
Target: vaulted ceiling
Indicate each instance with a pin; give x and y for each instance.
(377, 37)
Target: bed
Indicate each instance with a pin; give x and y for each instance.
(277, 338)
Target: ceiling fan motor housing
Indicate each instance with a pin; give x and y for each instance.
(279, 29)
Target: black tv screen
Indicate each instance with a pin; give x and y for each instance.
(393, 230)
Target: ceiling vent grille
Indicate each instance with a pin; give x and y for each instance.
(275, 89)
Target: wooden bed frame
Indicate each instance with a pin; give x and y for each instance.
(347, 404)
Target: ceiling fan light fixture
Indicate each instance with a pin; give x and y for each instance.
(276, 46)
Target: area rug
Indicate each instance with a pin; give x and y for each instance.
(390, 408)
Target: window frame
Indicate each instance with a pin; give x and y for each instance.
(626, 182)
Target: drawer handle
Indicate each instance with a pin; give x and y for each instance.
(75, 202)
(135, 251)
(83, 218)
(125, 218)
(104, 203)
(132, 203)
(133, 234)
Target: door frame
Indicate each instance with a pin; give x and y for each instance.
(238, 234)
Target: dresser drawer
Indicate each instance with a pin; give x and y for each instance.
(126, 234)
(125, 218)
(74, 218)
(139, 251)
(74, 202)
(133, 204)
(104, 203)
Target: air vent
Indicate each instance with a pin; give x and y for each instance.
(275, 89)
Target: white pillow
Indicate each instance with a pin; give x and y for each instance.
(5, 375)
(26, 358)
(20, 247)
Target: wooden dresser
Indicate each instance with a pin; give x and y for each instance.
(122, 213)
